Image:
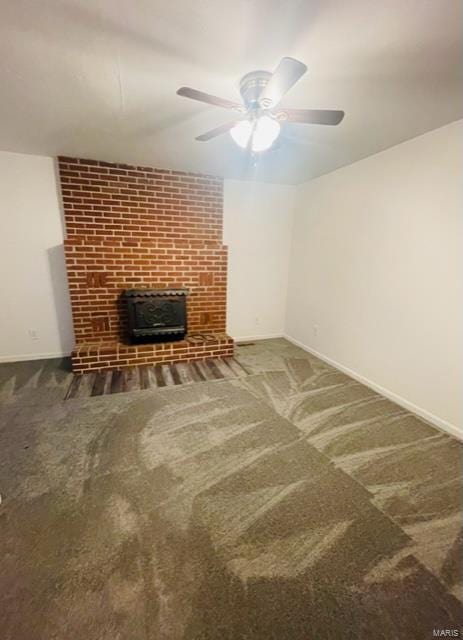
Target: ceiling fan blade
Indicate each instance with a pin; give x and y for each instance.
(218, 131)
(284, 77)
(311, 116)
(194, 94)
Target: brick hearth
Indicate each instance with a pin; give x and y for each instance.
(90, 357)
(133, 227)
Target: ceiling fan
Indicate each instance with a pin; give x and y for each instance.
(256, 125)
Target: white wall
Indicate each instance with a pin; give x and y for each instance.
(257, 229)
(33, 276)
(376, 272)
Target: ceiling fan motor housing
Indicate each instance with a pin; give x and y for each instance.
(251, 87)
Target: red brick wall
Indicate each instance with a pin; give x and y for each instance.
(141, 227)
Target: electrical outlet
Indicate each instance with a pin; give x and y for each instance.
(315, 330)
(33, 334)
(256, 321)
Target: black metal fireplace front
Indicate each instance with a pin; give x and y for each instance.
(156, 315)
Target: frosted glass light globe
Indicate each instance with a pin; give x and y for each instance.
(241, 133)
(265, 133)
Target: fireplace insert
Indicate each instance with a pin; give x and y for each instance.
(156, 315)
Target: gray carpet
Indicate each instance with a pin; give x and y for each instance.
(292, 503)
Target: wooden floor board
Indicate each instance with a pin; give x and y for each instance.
(214, 368)
(152, 377)
(144, 378)
(235, 366)
(207, 373)
(99, 383)
(175, 373)
(167, 375)
(86, 385)
(116, 382)
(159, 377)
(184, 371)
(199, 375)
(224, 369)
(73, 387)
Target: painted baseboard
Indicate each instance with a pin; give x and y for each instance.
(440, 423)
(33, 356)
(269, 336)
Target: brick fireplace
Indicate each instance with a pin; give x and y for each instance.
(131, 227)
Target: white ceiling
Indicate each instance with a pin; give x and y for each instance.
(97, 78)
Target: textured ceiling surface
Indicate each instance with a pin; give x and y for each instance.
(97, 78)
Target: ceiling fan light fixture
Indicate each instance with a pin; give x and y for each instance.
(241, 133)
(263, 131)
(266, 132)
(261, 93)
